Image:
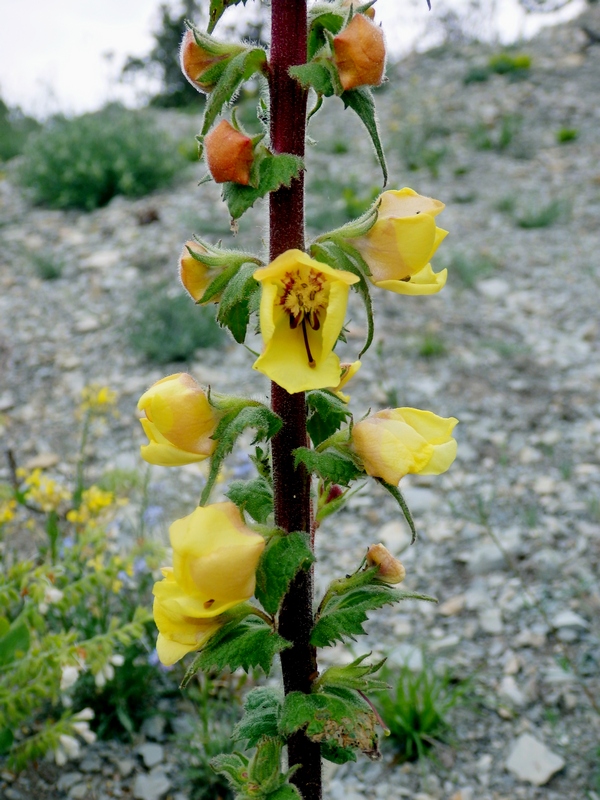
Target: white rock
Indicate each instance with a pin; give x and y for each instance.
(569, 619)
(493, 288)
(406, 655)
(419, 499)
(7, 400)
(485, 558)
(152, 786)
(151, 753)
(530, 760)
(395, 536)
(101, 259)
(453, 605)
(490, 620)
(508, 690)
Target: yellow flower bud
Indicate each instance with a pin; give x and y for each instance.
(359, 53)
(179, 422)
(302, 309)
(399, 441)
(215, 556)
(399, 246)
(229, 154)
(195, 276)
(390, 569)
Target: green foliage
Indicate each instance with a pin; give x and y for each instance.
(431, 345)
(165, 328)
(497, 136)
(316, 75)
(239, 644)
(255, 497)
(542, 215)
(244, 414)
(335, 715)
(468, 269)
(361, 102)
(283, 557)
(416, 709)
(240, 298)
(262, 710)
(85, 161)
(516, 66)
(356, 675)
(15, 128)
(218, 8)
(326, 415)
(565, 135)
(420, 145)
(399, 498)
(273, 171)
(331, 466)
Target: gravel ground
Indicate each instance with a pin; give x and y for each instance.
(510, 537)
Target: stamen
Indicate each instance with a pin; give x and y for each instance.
(311, 361)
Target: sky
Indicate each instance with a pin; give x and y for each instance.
(66, 55)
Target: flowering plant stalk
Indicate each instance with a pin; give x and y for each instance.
(240, 590)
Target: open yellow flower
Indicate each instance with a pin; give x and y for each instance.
(215, 556)
(400, 245)
(398, 441)
(179, 422)
(302, 310)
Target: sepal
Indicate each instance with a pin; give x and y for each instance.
(354, 676)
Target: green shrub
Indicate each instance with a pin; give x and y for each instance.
(170, 328)
(476, 74)
(497, 136)
(468, 269)
(15, 129)
(416, 708)
(542, 216)
(515, 67)
(84, 162)
(47, 267)
(431, 345)
(565, 135)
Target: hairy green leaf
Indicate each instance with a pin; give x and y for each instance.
(218, 8)
(247, 644)
(354, 676)
(314, 75)
(361, 101)
(285, 792)
(322, 18)
(236, 302)
(262, 708)
(274, 171)
(257, 416)
(331, 466)
(234, 766)
(326, 415)
(399, 498)
(336, 754)
(239, 69)
(283, 557)
(255, 497)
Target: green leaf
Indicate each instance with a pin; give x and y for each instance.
(354, 676)
(361, 101)
(283, 557)
(218, 8)
(331, 466)
(322, 18)
(6, 740)
(247, 644)
(335, 505)
(254, 415)
(15, 643)
(234, 766)
(336, 754)
(236, 301)
(399, 498)
(332, 253)
(343, 616)
(285, 792)
(339, 716)
(262, 708)
(274, 171)
(314, 75)
(326, 415)
(255, 497)
(239, 69)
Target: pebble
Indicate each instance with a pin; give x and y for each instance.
(530, 760)
(452, 606)
(395, 536)
(490, 620)
(152, 786)
(151, 753)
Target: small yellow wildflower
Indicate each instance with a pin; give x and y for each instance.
(93, 502)
(97, 399)
(45, 492)
(7, 511)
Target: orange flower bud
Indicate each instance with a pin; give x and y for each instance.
(195, 276)
(196, 61)
(390, 569)
(229, 154)
(359, 53)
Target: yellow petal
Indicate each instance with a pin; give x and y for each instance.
(169, 652)
(398, 248)
(442, 458)
(406, 203)
(168, 456)
(430, 426)
(426, 281)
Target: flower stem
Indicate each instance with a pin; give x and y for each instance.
(291, 486)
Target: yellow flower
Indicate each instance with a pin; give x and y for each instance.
(399, 441)
(97, 399)
(179, 422)
(7, 511)
(195, 276)
(302, 311)
(390, 569)
(399, 246)
(215, 557)
(348, 372)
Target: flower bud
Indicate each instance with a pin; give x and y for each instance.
(399, 441)
(179, 422)
(369, 12)
(198, 61)
(195, 276)
(390, 569)
(359, 53)
(229, 154)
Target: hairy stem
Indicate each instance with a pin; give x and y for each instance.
(292, 486)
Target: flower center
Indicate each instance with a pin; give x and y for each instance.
(305, 296)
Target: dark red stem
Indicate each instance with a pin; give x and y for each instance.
(292, 486)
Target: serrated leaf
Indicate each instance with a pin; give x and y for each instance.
(399, 498)
(285, 792)
(314, 75)
(337, 715)
(283, 557)
(233, 766)
(331, 466)
(331, 253)
(326, 415)
(356, 675)
(274, 171)
(361, 101)
(239, 69)
(266, 423)
(235, 305)
(336, 754)
(218, 8)
(343, 616)
(255, 497)
(241, 645)
(262, 708)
